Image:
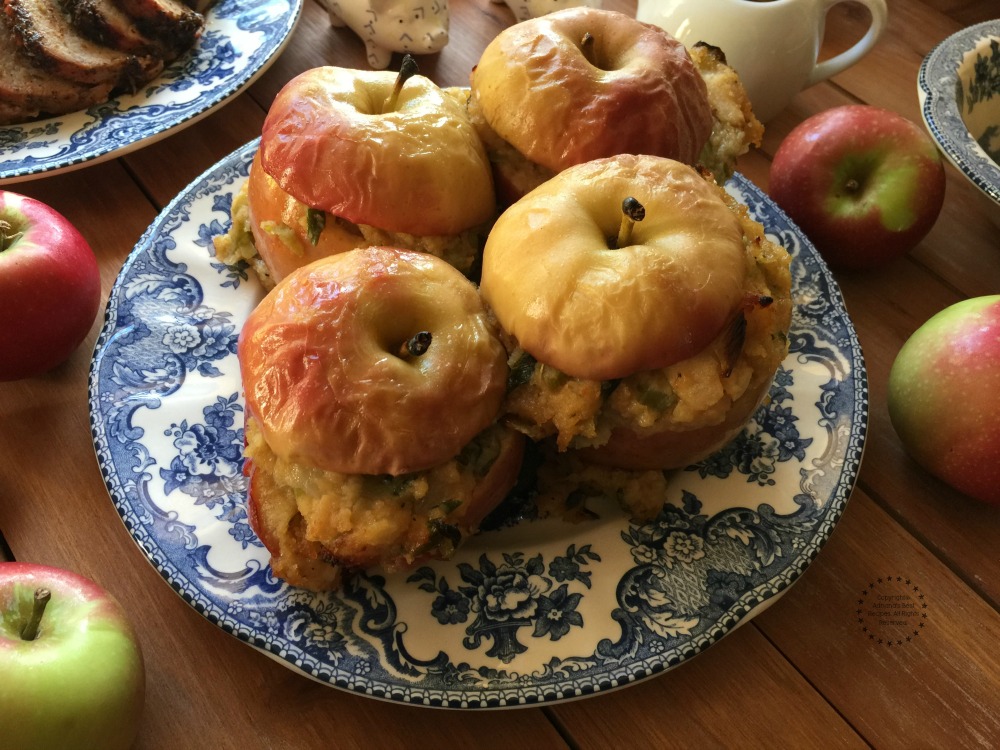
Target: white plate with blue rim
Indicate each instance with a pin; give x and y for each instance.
(240, 41)
(958, 86)
(528, 612)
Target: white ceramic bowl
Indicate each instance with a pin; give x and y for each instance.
(959, 90)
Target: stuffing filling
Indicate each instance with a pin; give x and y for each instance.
(321, 519)
(237, 245)
(694, 393)
(734, 127)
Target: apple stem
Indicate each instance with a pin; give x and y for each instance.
(632, 211)
(7, 235)
(852, 186)
(30, 630)
(416, 345)
(407, 69)
(587, 47)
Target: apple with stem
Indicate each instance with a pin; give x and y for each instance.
(72, 670)
(650, 309)
(581, 84)
(944, 396)
(380, 364)
(376, 148)
(352, 158)
(864, 183)
(50, 287)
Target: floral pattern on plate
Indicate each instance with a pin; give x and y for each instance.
(239, 43)
(944, 98)
(528, 612)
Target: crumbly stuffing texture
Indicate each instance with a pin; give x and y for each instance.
(734, 127)
(694, 393)
(237, 245)
(321, 523)
(463, 251)
(569, 488)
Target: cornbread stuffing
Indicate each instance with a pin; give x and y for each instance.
(237, 244)
(695, 393)
(323, 522)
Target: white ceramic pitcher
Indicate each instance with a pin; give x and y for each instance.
(772, 44)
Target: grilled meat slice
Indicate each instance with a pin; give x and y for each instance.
(170, 21)
(102, 21)
(27, 91)
(46, 35)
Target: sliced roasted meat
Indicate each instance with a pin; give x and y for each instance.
(46, 35)
(170, 21)
(102, 21)
(26, 91)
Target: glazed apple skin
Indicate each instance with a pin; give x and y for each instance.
(269, 205)
(864, 183)
(540, 93)
(944, 397)
(323, 373)
(50, 288)
(599, 313)
(419, 168)
(81, 683)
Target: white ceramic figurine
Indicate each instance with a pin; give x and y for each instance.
(385, 26)
(525, 9)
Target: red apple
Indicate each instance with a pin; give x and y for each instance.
(944, 396)
(50, 287)
(72, 670)
(865, 184)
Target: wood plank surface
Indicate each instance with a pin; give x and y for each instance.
(804, 674)
(740, 693)
(940, 687)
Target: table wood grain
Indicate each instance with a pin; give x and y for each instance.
(803, 674)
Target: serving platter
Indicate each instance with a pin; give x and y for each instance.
(240, 41)
(528, 612)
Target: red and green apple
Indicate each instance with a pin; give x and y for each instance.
(50, 287)
(944, 396)
(864, 183)
(71, 669)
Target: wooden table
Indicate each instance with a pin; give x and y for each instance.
(803, 674)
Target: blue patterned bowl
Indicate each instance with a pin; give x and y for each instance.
(959, 89)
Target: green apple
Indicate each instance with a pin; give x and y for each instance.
(71, 670)
(944, 396)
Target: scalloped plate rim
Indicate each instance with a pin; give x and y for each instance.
(751, 601)
(14, 170)
(938, 107)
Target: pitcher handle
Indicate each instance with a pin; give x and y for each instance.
(847, 58)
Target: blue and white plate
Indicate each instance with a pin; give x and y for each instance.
(958, 86)
(240, 41)
(526, 613)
